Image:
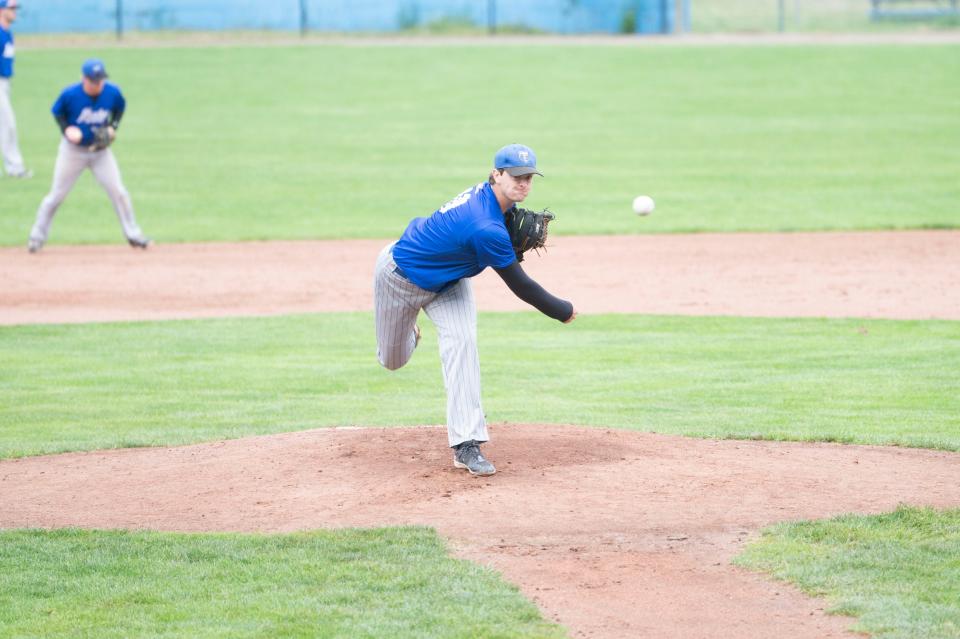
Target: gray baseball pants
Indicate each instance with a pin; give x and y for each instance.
(71, 161)
(396, 303)
(9, 149)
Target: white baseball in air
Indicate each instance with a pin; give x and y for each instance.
(643, 205)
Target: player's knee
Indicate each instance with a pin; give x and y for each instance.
(464, 341)
(391, 366)
(391, 363)
(54, 199)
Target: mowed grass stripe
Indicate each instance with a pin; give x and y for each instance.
(253, 143)
(394, 582)
(84, 387)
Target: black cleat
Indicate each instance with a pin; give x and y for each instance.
(467, 455)
(140, 242)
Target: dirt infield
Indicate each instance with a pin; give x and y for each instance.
(612, 533)
(910, 275)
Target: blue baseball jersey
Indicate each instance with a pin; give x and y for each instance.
(460, 239)
(89, 113)
(6, 53)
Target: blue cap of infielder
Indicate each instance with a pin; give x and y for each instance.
(94, 69)
(517, 160)
(5, 4)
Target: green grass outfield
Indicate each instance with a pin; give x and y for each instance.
(898, 572)
(346, 583)
(84, 387)
(280, 142)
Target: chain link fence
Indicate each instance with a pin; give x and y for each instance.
(739, 16)
(480, 16)
(350, 16)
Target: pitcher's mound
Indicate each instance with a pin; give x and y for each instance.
(613, 533)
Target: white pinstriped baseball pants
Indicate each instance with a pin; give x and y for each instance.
(12, 160)
(396, 303)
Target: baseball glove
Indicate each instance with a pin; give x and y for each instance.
(528, 229)
(102, 138)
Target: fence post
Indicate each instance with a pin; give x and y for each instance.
(492, 16)
(781, 18)
(304, 22)
(119, 19)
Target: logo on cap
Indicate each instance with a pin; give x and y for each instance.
(94, 69)
(517, 160)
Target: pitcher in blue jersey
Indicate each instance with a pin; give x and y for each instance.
(81, 111)
(9, 148)
(430, 267)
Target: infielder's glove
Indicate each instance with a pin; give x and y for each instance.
(102, 138)
(528, 229)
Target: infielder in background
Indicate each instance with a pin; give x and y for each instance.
(430, 267)
(9, 149)
(88, 114)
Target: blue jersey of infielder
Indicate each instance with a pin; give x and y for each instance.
(430, 267)
(80, 110)
(6, 53)
(89, 113)
(460, 239)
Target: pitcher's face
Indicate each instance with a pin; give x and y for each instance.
(515, 189)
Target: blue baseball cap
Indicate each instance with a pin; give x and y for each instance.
(94, 69)
(5, 4)
(517, 160)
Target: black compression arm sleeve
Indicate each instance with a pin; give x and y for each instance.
(62, 122)
(532, 293)
(115, 121)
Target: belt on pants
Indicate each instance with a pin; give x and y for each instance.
(400, 272)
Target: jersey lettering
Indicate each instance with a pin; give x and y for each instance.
(8, 50)
(460, 199)
(89, 116)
